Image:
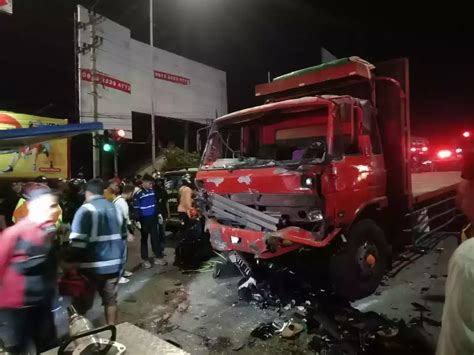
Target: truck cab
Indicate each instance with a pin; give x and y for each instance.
(315, 167)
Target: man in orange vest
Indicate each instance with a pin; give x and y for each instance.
(21, 210)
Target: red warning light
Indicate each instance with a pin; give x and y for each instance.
(424, 149)
(444, 154)
(466, 134)
(120, 133)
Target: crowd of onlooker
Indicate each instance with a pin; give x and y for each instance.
(76, 232)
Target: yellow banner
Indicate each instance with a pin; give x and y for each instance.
(48, 158)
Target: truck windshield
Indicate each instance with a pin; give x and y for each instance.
(276, 139)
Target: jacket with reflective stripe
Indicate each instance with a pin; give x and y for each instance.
(97, 233)
(144, 202)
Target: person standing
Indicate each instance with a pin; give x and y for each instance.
(121, 201)
(185, 207)
(457, 329)
(97, 238)
(162, 201)
(112, 190)
(147, 211)
(28, 267)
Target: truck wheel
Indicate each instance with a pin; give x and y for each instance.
(357, 270)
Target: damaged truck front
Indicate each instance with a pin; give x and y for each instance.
(307, 170)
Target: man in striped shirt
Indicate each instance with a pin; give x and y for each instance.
(97, 239)
(147, 210)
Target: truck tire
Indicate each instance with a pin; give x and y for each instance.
(357, 269)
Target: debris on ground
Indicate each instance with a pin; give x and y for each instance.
(264, 331)
(292, 329)
(183, 306)
(175, 295)
(336, 326)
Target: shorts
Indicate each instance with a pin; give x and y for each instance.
(105, 285)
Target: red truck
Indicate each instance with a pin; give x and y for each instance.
(323, 168)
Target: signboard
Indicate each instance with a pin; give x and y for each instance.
(182, 88)
(48, 158)
(6, 6)
(107, 81)
(172, 77)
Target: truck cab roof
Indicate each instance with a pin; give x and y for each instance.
(320, 77)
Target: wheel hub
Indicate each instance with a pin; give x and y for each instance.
(367, 258)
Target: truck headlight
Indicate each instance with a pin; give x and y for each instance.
(307, 182)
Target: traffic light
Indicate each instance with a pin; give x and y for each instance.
(107, 147)
(106, 143)
(120, 133)
(111, 140)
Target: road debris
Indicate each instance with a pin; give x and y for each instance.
(292, 329)
(264, 331)
(337, 327)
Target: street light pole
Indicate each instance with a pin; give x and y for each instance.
(152, 87)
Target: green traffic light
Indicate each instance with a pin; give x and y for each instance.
(107, 147)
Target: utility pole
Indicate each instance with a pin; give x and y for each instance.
(95, 95)
(152, 87)
(116, 148)
(94, 42)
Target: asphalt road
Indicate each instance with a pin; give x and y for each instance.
(204, 316)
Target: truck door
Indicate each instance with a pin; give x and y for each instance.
(358, 168)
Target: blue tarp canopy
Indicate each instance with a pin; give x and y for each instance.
(15, 138)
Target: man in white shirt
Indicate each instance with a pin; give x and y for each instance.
(121, 202)
(457, 331)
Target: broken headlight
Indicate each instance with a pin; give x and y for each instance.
(315, 216)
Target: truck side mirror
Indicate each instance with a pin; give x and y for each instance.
(365, 146)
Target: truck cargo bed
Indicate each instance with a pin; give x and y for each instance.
(429, 185)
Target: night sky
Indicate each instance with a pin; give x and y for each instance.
(247, 38)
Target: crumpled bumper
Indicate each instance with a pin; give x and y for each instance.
(264, 245)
